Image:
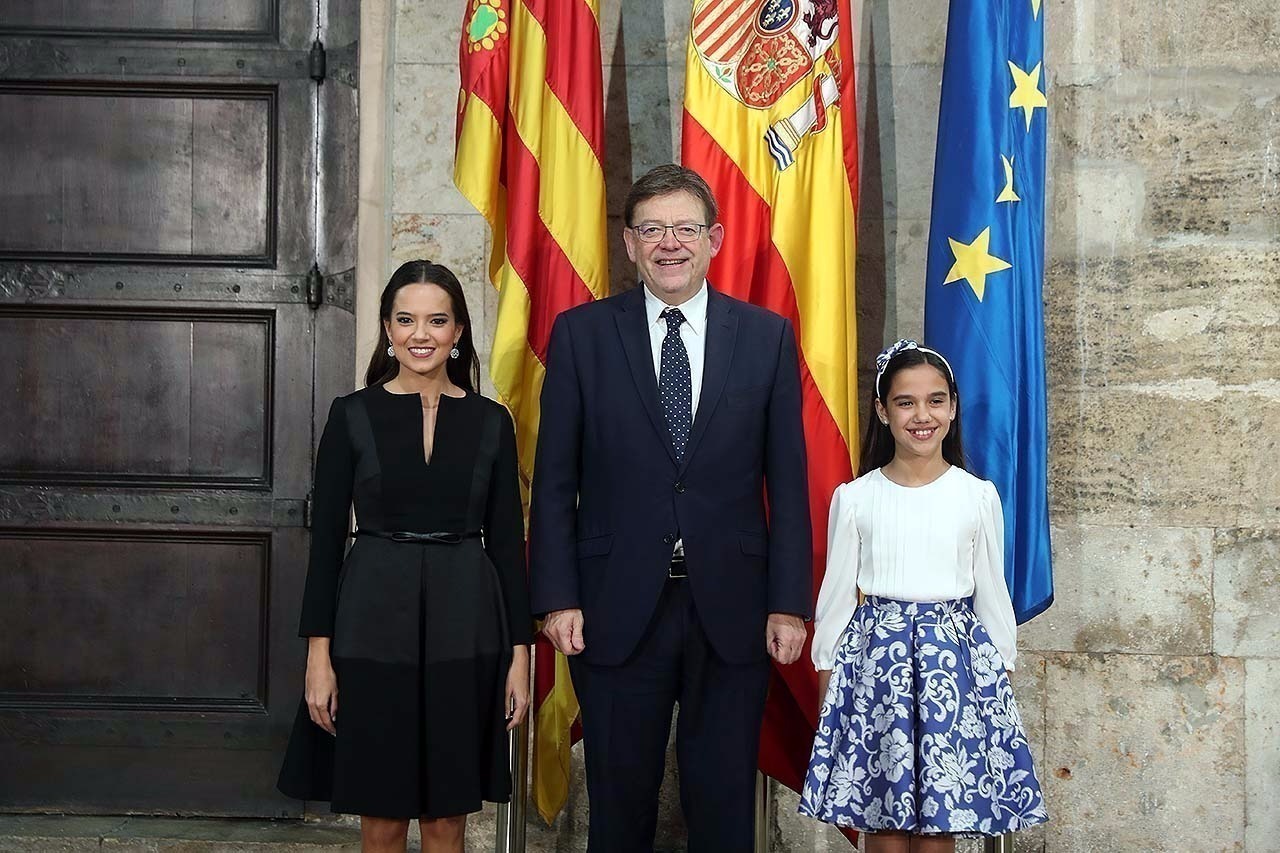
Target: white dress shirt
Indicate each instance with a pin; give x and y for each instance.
(941, 541)
(693, 334)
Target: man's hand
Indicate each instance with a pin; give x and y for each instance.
(784, 637)
(564, 629)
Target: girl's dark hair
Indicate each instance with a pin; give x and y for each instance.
(463, 371)
(878, 445)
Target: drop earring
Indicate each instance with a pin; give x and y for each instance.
(391, 350)
(454, 353)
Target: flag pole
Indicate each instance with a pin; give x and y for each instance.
(508, 836)
(998, 844)
(762, 814)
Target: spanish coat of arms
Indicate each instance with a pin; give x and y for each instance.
(758, 50)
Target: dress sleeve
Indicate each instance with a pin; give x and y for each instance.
(504, 534)
(991, 600)
(838, 597)
(330, 524)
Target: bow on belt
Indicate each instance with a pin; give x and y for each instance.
(438, 538)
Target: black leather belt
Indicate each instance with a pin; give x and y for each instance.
(677, 568)
(439, 538)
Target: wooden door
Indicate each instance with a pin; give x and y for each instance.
(177, 219)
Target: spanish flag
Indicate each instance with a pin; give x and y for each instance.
(769, 121)
(529, 141)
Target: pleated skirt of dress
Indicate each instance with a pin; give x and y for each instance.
(421, 653)
(919, 731)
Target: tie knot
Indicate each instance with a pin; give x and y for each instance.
(674, 318)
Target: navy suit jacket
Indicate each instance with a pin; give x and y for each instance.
(609, 498)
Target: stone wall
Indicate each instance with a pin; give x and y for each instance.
(1151, 689)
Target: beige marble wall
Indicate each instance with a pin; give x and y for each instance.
(372, 232)
(1151, 688)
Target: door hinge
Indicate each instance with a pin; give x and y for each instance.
(316, 61)
(315, 287)
(306, 511)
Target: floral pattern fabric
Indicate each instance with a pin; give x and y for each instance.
(919, 731)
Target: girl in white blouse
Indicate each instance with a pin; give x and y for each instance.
(919, 738)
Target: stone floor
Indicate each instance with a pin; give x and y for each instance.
(58, 834)
(62, 834)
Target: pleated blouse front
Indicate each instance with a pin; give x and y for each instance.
(936, 542)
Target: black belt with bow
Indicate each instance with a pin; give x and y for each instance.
(438, 538)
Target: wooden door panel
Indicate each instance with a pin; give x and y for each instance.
(145, 396)
(158, 757)
(135, 620)
(241, 782)
(233, 167)
(242, 18)
(181, 173)
(176, 288)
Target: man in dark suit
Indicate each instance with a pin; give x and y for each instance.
(669, 412)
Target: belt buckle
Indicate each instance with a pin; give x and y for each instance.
(676, 568)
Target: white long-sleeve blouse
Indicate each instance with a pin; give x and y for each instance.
(940, 541)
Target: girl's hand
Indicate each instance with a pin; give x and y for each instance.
(517, 699)
(322, 686)
(824, 680)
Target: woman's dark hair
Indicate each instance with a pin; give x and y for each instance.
(878, 444)
(463, 371)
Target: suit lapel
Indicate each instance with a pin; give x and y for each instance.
(722, 333)
(633, 329)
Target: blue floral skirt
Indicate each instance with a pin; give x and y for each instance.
(919, 731)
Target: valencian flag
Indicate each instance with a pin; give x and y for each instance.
(983, 305)
(530, 136)
(769, 121)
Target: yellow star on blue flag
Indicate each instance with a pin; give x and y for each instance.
(974, 262)
(1007, 194)
(1026, 94)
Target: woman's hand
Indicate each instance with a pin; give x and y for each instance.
(517, 700)
(322, 685)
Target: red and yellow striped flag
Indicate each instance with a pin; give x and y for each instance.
(769, 121)
(530, 136)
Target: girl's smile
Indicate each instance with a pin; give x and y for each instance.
(918, 410)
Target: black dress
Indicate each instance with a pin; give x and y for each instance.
(422, 631)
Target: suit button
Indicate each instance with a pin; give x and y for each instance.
(669, 539)
(679, 488)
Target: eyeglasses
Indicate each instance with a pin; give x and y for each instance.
(686, 232)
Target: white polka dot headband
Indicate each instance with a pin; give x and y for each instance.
(883, 359)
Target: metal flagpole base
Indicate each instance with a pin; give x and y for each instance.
(761, 832)
(998, 844)
(508, 836)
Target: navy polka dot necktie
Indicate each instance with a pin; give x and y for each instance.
(675, 385)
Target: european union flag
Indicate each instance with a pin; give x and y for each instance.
(983, 306)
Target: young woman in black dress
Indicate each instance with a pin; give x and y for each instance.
(418, 658)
